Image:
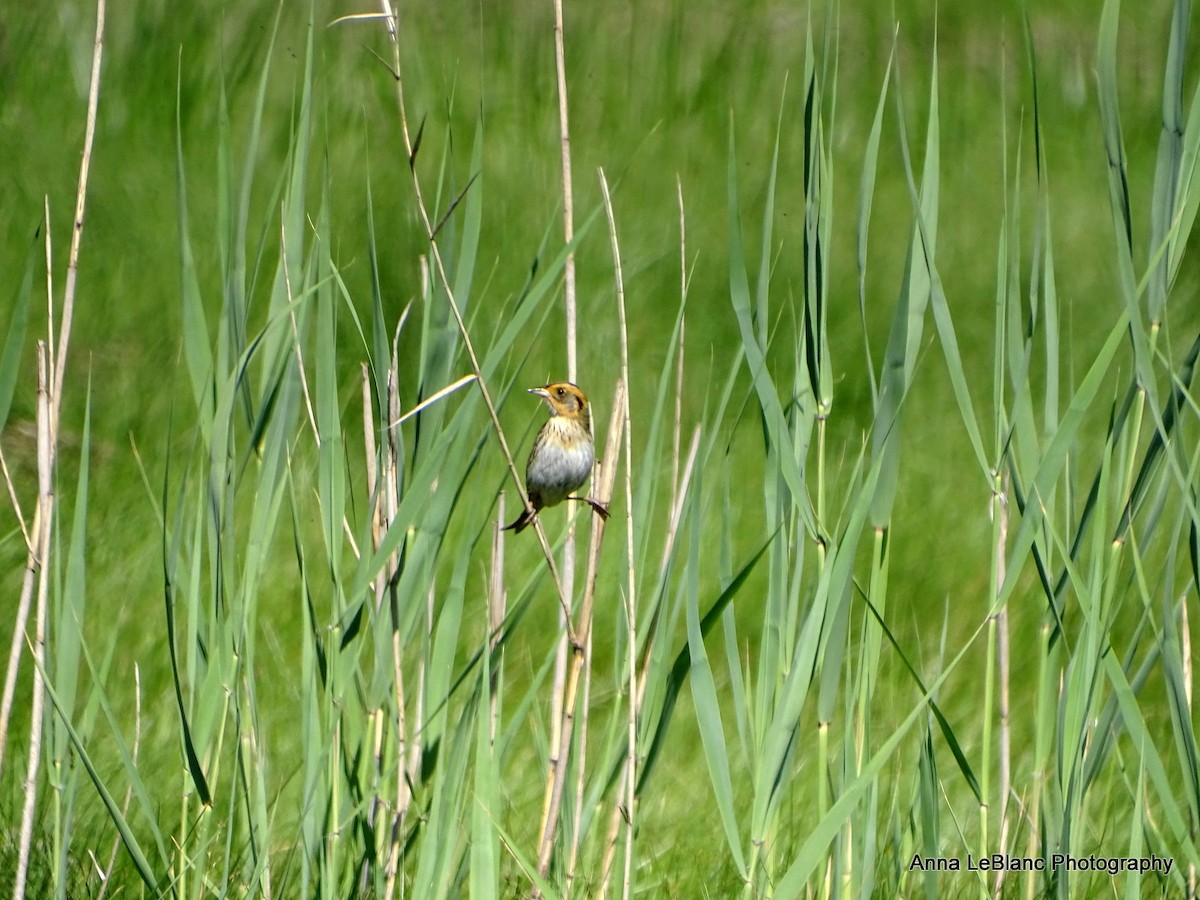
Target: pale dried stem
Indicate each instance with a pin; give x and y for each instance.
(564, 131)
(561, 703)
(370, 450)
(559, 687)
(627, 787)
(604, 488)
(389, 496)
(49, 247)
(1185, 650)
(348, 533)
(631, 618)
(580, 769)
(628, 772)
(385, 489)
(683, 289)
(556, 762)
(37, 646)
(614, 828)
(1002, 663)
(68, 313)
(1031, 810)
(287, 283)
(630, 592)
(435, 397)
(52, 361)
(18, 640)
(403, 795)
(16, 504)
(372, 485)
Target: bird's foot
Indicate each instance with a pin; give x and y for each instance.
(600, 508)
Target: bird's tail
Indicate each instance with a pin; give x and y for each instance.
(522, 521)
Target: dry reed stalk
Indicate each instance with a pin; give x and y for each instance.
(567, 634)
(628, 774)
(581, 769)
(619, 281)
(52, 361)
(558, 772)
(625, 809)
(37, 646)
(386, 505)
(625, 795)
(1002, 663)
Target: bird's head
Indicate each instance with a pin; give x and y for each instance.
(564, 399)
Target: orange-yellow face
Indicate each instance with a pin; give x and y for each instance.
(565, 399)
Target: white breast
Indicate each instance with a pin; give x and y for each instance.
(558, 474)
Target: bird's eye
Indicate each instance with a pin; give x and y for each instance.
(562, 392)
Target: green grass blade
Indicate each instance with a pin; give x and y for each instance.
(484, 852)
(866, 195)
(1164, 198)
(908, 321)
(197, 345)
(137, 855)
(774, 421)
(1055, 457)
(707, 705)
(14, 341)
(682, 665)
(72, 605)
(811, 853)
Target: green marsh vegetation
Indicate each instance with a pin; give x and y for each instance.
(903, 549)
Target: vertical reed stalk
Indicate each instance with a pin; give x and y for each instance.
(583, 626)
(559, 762)
(37, 646)
(52, 362)
(1000, 510)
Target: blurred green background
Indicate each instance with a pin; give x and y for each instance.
(655, 89)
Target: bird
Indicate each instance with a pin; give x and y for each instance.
(562, 455)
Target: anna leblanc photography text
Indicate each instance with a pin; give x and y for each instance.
(996, 862)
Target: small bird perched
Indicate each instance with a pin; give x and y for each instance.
(562, 455)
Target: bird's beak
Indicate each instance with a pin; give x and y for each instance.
(540, 392)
